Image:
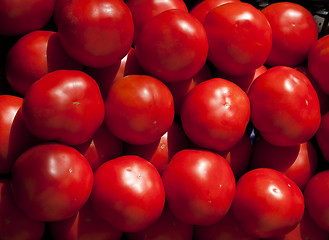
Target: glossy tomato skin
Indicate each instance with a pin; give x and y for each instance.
(199, 186)
(14, 223)
(139, 109)
(284, 106)
(215, 114)
(172, 46)
(294, 31)
(318, 62)
(33, 56)
(128, 193)
(267, 203)
(143, 10)
(46, 181)
(23, 16)
(96, 40)
(240, 38)
(76, 103)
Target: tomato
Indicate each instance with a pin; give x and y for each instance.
(284, 106)
(86, 224)
(298, 162)
(139, 109)
(316, 198)
(97, 33)
(239, 36)
(33, 56)
(128, 193)
(294, 31)
(172, 46)
(199, 186)
(166, 227)
(64, 105)
(143, 10)
(23, 16)
(46, 181)
(322, 136)
(215, 114)
(14, 223)
(267, 203)
(318, 62)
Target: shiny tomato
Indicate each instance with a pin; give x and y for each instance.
(172, 46)
(47, 181)
(139, 109)
(128, 193)
(240, 38)
(215, 114)
(267, 203)
(64, 105)
(199, 186)
(284, 106)
(33, 56)
(294, 31)
(97, 33)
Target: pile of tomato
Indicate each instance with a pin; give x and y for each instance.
(148, 119)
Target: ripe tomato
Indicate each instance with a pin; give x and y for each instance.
(284, 106)
(47, 181)
(97, 33)
(322, 136)
(139, 109)
(215, 114)
(239, 36)
(172, 46)
(267, 203)
(128, 193)
(14, 223)
(199, 186)
(64, 105)
(33, 56)
(294, 31)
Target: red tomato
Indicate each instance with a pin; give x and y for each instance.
(166, 227)
(64, 105)
(267, 203)
(172, 46)
(318, 62)
(22, 16)
(298, 162)
(240, 38)
(143, 10)
(33, 56)
(139, 109)
(97, 33)
(199, 186)
(215, 114)
(14, 223)
(316, 195)
(128, 193)
(47, 181)
(322, 136)
(284, 106)
(86, 224)
(294, 31)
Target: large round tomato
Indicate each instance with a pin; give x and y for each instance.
(172, 46)
(51, 181)
(33, 56)
(284, 106)
(128, 193)
(294, 31)
(97, 33)
(64, 105)
(267, 203)
(215, 114)
(139, 109)
(199, 186)
(240, 38)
